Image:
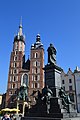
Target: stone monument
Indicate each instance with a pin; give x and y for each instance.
(47, 103)
(52, 72)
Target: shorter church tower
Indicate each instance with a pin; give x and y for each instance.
(36, 79)
(16, 64)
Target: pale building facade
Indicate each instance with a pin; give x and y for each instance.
(77, 81)
(68, 83)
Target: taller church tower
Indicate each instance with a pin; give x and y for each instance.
(16, 64)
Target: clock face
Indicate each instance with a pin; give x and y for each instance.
(25, 79)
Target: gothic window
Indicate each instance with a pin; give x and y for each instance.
(32, 77)
(16, 78)
(25, 79)
(14, 71)
(17, 71)
(36, 55)
(11, 71)
(16, 58)
(35, 85)
(32, 70)
(38, 70)
(16, 46)
(32, 85)
(15, 65)
(38, 85)
(36, 77)
(36, 63)
(13, 85)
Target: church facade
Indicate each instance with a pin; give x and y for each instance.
(21, 72)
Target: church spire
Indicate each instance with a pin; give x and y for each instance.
(20, 36)
(20, 28)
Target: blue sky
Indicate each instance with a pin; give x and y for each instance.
(57, 21)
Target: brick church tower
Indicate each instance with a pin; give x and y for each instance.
(16, 64)
(36, 77)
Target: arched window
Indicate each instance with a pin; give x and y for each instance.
(25, 79)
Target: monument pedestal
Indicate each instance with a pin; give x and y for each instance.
(40, 110)
(53, 78)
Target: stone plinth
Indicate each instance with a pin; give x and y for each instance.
(53, 78)
(40, 110)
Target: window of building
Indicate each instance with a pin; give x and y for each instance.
(70, 81)
(38, 85)
(36, 77)
(34, 63)
(32, 85)
(71, 95)
(32, 70)
(63, 82)
(14, 71)
(32, 77)
(35, 85)
(14, 78)
(36, 55)
(25, 79)
(15, 65)
(13, 85)
(16, 58)
(38, 64)
(70, 88)
(36, 70)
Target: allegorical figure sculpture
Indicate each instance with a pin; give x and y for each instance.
(47, 94)
(23, 93)
(65, 99)
(51, 54)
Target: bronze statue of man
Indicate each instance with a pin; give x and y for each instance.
(47, 94)
(51, 54)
